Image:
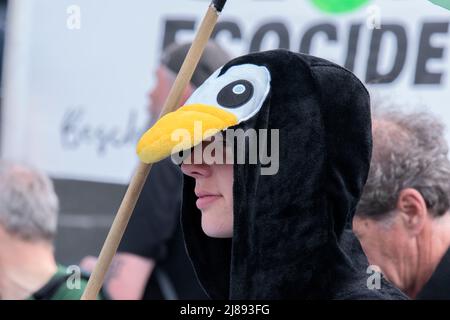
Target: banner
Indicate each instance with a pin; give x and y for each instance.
(77, 73)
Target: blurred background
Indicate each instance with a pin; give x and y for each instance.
(76, 76)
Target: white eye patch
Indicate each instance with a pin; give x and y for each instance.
(241, 90)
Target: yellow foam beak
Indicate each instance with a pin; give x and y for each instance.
(182, 130)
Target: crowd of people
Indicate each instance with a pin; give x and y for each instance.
(357, 185)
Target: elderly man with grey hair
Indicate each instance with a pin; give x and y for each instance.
(28, 222)
(403, 219)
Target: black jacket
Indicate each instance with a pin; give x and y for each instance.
(289, 240)
(438, 287)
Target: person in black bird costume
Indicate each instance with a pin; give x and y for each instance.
(284, 233)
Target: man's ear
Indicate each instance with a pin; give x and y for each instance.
(3, 233)
(360, 225)
(187, 93)
(412, 209)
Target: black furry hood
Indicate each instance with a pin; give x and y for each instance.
(289, 239)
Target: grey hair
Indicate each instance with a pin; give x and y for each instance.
(28, 203)
(409, 151)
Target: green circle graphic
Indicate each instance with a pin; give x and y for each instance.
(338, 6)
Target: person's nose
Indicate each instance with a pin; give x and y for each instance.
(196, 170)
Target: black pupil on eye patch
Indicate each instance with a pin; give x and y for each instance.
(235, 94)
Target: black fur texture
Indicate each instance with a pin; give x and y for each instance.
(290, 239)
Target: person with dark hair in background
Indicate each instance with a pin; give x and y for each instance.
(152, 262)
(403, 219)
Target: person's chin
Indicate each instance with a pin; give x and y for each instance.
(211, 224)
(209, 213)
(213, 229)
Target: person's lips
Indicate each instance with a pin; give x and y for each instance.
(205, 199)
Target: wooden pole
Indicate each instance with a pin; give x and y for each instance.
(137, 181)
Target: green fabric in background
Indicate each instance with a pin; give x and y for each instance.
(64, 293)
(443, 3)
(57, 288)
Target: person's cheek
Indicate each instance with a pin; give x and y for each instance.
(229, 190)
(230, 183)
